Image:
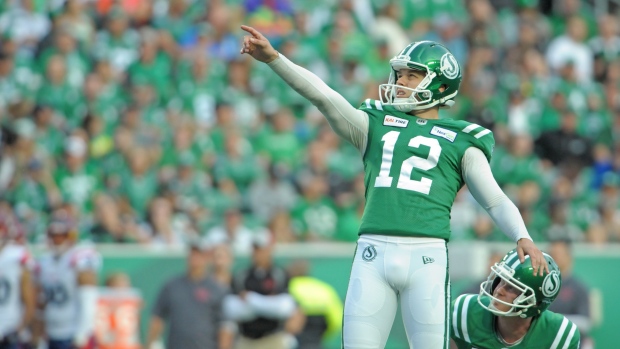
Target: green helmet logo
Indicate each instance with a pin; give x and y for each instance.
(449, 66)
(442, 78)
(535, 292)
(551, 284)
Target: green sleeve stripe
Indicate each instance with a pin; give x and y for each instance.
(464, 318)
(482, 133)
(455, 316)
(570, 336)
(470, 128)
(367, 101)
(560, 334)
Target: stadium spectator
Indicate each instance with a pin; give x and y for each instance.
(314, 215)
(260, 303)
(319, 303)
(573, 301)
(190, 305)
(117, 43)
(223, 260)
(232, 231)
(270, 195)
(77, 21)
(571, 47)
(165, 227)
(564, 147)
(24, 24)
(605, 45)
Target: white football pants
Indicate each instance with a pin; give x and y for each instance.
(387, 269)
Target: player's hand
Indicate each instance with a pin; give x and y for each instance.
(257, 46)
(539, 263)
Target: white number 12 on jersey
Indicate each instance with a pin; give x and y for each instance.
(404, 180)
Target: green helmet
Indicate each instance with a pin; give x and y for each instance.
(441, 69)
(537, 292)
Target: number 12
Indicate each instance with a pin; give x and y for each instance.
(404, 180)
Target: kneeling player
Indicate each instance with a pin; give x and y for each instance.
(510, 310)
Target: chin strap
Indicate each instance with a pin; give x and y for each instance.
(446, 104)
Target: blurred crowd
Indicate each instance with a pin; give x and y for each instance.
(141, 118)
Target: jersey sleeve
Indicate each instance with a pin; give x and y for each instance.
(348, 122)
(460, 318)
(481, 138)
(370, 104)
(566, 336)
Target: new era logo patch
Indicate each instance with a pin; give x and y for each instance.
(390, 120)
(443, 133)
(427, 260)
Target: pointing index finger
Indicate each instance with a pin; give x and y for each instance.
(255, 33)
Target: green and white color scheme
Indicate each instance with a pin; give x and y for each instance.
(473, 327)
(413, 170)
(537, 291)
(439, 86)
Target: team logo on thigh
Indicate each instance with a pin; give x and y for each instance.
(369, 253)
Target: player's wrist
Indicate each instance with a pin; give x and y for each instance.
(272, 57)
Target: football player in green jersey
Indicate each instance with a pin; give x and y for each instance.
(511, 310)
(414, 163)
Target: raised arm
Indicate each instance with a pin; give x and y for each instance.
(348, 122)
(482, 185)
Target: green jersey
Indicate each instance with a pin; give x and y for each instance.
(473, 327)
(413, 170)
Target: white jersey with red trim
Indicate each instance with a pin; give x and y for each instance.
(58, 276)
(13, 260)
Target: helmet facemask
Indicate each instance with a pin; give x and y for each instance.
(420, 97)
(519, 307)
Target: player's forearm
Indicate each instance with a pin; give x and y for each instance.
(348, 122)
(226, 338)
(155, 330)
(236, 309)
(479, 179)
(28, 299)
(278, 307)
(88, 311)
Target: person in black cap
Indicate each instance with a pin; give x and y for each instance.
(191, 304)
(260, 303)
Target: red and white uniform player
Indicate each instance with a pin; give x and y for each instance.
(67, 276)
(17, 296)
